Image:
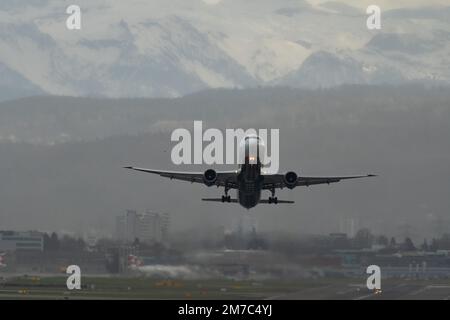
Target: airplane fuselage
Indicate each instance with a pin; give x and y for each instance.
(249, 185)
(249, 179)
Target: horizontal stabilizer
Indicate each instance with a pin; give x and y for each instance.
(219, 200)
(278, 201)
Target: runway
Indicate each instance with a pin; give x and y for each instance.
(390, 291)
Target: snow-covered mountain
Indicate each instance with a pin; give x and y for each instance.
(164, 48)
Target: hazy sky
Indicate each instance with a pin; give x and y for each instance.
(171, 48)
(387, 4)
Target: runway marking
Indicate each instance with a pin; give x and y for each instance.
(414, 293)
(430, 287)
(374, 294)
(438, 286)
(295, 293)
(364, 297)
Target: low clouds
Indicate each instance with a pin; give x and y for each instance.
(386, 4)
(212, 2)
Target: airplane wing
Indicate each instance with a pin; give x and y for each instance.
(278, 181)
(223, 177)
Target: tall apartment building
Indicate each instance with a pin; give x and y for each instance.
(148, 227)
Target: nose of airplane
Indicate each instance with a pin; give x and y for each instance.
(252, 149)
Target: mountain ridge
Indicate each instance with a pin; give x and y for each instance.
(190, 47)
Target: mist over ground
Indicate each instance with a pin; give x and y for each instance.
(62, 158)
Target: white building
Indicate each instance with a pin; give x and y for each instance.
(131, 225)
(28, 240)
(148, 227)
(121, 227)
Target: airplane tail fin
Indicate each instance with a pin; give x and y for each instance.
(134, 261)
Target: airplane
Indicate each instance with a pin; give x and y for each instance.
(249, 179)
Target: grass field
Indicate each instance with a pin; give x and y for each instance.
(35, 287)
(29, 287)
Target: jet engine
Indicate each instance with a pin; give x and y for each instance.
(210, 177)
(290, 179)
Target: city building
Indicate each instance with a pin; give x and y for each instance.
(148, 227)
(121, 222)
(21, 241)
(131, 225)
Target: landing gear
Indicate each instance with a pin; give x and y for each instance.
(273, 199)
(226, 197)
